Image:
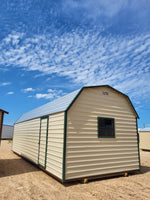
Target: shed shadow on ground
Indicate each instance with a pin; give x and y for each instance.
(144, 169)
(10, 167)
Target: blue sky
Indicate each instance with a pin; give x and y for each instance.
(51, 48)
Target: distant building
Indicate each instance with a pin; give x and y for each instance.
(1, 120)
(7, 131)
(144, 134)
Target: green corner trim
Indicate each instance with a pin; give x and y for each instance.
(64, 147)
(138, 144)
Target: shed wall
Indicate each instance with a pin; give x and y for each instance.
(145, 140)
(26, 138)
(7, 132)
(55, 144)
(86, 154)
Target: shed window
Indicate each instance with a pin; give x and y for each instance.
(106, 127)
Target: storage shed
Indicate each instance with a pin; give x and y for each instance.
(7, 131)
(2, 112)
(144, 134)
(89, 133)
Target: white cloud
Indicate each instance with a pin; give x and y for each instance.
(5, 83)
(28, 90)
(50, 90)
(50, 95)
(10, 93)
(45, 96)
(86, 59)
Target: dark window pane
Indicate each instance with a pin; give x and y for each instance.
(105, 127)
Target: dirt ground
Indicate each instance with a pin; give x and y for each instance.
(20, 180)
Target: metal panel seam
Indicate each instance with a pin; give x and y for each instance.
(46, 141)
(39, 142)
(138, 145)
(64, 148)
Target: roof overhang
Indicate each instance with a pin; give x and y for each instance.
(4, 111)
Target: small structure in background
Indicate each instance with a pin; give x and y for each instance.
(1, 120)
(144, 135)
(7, 131)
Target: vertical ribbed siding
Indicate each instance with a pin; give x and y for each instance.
(88, 155)
(26, 138)
(144, 140)
(55, 144)
(42, 143)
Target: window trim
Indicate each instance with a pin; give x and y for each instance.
(98, 134)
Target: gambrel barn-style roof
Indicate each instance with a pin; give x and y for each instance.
(62, 104)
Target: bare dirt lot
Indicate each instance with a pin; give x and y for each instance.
(20, 180)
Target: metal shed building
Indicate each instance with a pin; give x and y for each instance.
(89, 133)
(2, 112)
(144, 135)
(7, 131)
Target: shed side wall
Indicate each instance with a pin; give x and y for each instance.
(26, 138)
(145, 140)
(86, 154)
(55, 144)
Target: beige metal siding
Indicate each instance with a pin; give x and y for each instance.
(55, 144)
(144, 140)
(42, 142)
(26, 139)
(88, 155)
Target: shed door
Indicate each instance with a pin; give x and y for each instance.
(43, 137)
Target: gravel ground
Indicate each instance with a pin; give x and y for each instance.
(20, 180)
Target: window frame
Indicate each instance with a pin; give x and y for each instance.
(98, 131)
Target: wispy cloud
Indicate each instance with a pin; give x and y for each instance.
(28, 90)
(10, 93)
(86, 58)
(50, 94)
(5, 83)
